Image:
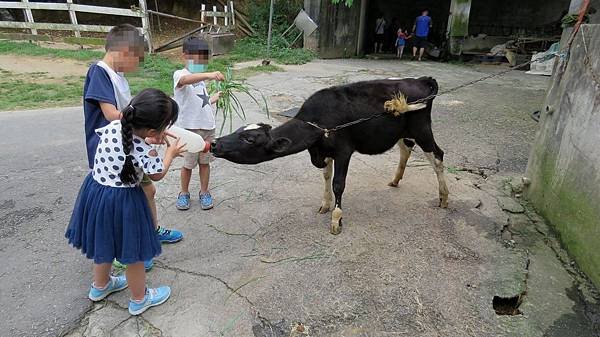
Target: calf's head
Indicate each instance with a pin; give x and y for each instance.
(251, 144)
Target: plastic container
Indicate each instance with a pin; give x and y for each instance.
(194, 142)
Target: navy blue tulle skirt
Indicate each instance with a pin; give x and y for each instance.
(112, 223)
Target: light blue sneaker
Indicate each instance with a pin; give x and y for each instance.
(168, 235)
(118, 265)
(183, 201)
(153, 297)
(206, 201)
(148, 265)
(116, 283)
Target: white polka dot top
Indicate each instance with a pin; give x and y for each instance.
(110, 157)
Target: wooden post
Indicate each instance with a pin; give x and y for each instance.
(215, 17)
(29, 16)
(232, 13)
(157, 16)
(202, 12)
(73, 17)
(226, 16)
(146, 24)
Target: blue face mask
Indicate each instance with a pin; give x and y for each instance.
(196, 68)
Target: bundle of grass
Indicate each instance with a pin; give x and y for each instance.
(398, 105)
(229, 103)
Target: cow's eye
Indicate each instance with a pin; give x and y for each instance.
(248, 140)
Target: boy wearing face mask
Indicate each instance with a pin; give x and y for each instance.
(195, 114)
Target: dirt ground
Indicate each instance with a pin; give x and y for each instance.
(52, 67)
(263, 260)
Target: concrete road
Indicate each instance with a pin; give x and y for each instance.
(263, 259)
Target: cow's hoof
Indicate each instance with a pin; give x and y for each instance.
(336, 228)
(393, 184)
(324, 209)
(443, 203)
(336, 221)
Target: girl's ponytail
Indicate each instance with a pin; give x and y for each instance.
(128, 174)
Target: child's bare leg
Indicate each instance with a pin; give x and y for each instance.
(421, 53)
(150, 191)
(401, 51)
(204, 177)
(136, 278)
(101, 274)
(186, 176)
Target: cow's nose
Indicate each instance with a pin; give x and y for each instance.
(213, 146)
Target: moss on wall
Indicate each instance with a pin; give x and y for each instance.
(572, 207)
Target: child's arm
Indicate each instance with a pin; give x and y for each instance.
(173, 151)
(195, 78)
(110, 111)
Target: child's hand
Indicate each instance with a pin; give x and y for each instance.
(217, 76)
(214, 98)
(156, 140)
(175, 149)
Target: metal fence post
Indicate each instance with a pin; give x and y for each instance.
(146, 24)
(232, 13)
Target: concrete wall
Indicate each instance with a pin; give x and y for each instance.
(564, 166)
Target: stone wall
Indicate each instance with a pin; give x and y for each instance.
(564, 166)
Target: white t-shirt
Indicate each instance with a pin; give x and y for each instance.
(195, 110)
(110, 158)
(380, 26)
(120, 86)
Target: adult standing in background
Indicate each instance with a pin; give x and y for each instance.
(421, 29)
(379, 33)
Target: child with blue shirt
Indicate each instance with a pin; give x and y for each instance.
(106, 93)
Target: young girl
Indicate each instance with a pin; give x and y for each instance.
(400, 42)
(111, 218)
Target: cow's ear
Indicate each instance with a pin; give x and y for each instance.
(279, 145)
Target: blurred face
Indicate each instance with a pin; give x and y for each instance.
(196, 62)
(425, 13)
(127, 59)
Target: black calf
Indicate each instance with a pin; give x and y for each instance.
(335, 106)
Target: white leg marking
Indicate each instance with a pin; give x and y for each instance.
(328, 190)
(438, 167)
(405, 152)
(336, 221)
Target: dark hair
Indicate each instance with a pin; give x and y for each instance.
(150, 109)
(195, 45)
(124, 35)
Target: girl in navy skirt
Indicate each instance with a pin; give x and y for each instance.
(111, 218)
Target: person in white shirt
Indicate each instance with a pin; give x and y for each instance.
(195, 114)
(379, 33)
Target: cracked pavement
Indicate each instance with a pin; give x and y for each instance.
(263, 259)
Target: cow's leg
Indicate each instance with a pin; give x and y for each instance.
(435, 155)
(328, 192)
(406, 147)
(340, 166)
